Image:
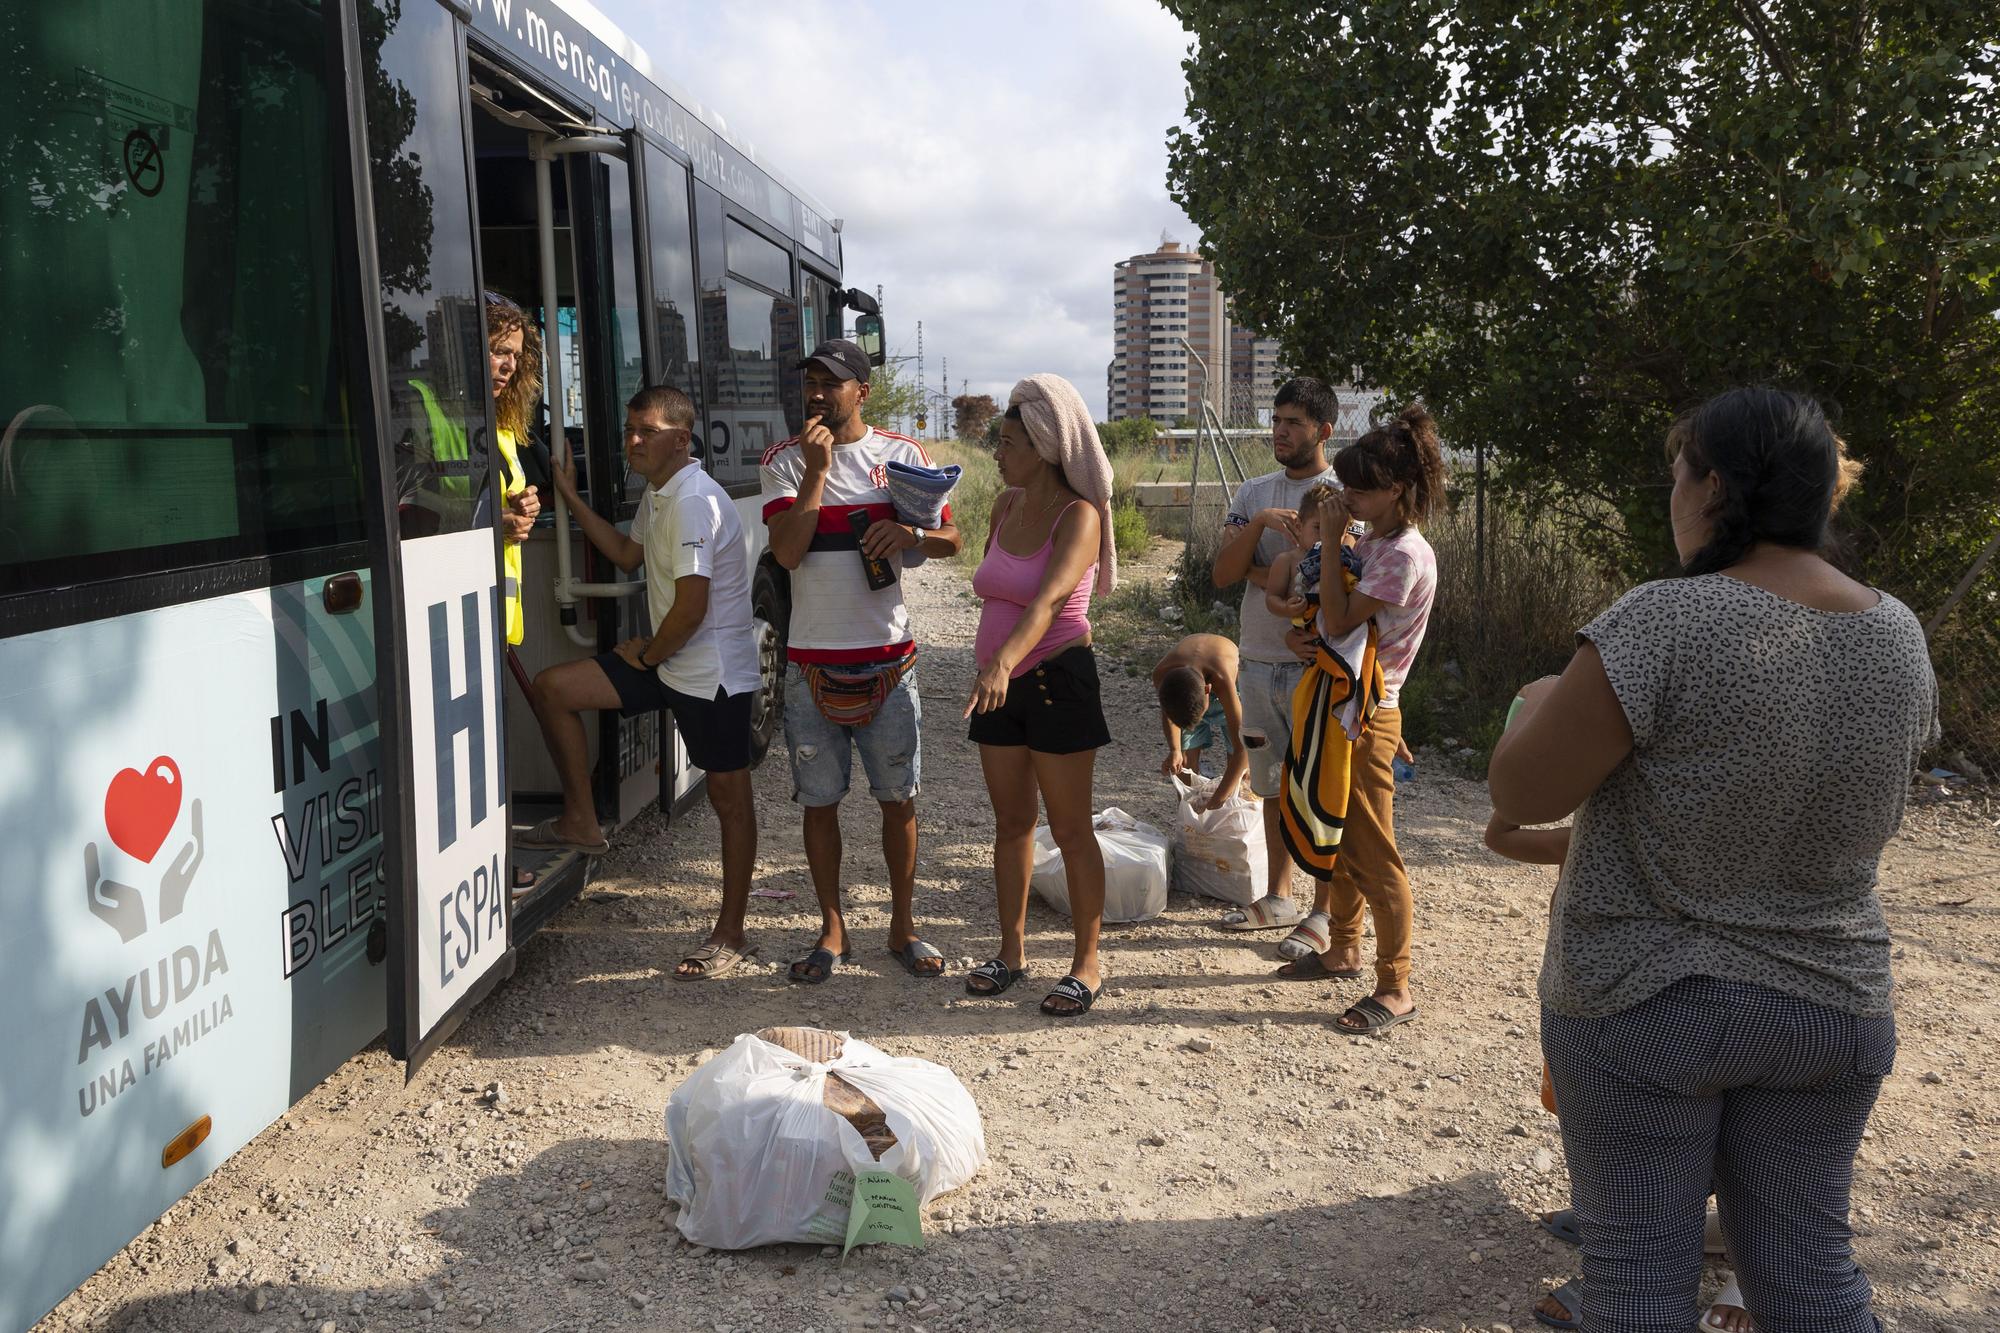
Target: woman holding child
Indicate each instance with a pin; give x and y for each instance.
(1035, 709)
(1737, 747)
(1393, 480)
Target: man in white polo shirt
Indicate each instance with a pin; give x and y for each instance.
(700, 662)
(851, 680)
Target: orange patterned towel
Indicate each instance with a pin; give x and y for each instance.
(1331, 707)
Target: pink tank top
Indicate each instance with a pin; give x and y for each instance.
(1007, 584)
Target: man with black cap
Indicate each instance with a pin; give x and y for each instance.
(851, 681)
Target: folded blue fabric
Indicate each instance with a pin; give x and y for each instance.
(919, 493)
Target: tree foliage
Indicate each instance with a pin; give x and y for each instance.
(974, 413)
(1562, 224)
(1128, 435)
(893, 399)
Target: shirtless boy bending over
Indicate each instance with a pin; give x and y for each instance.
(1196, 684)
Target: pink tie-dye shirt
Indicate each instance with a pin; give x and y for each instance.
(1400, 572)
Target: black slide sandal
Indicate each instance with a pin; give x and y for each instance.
(999, 978)
(1069, 988)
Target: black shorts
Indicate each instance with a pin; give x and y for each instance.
(716, 731)
(1054, 708)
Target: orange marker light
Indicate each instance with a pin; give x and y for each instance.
(185, 1142)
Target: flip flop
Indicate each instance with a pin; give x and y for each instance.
(717, 961)
(543, 837)
(1313, 968)
(1261, 915)
(1374, 1015)
(1080, 995)
(1565, 1226)
(1570, 1296)
(815, 967)
(1731, 1295)
(997, 976)
(1312, 935)
(918, 951)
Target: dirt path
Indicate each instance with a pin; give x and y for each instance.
(1285, 1178)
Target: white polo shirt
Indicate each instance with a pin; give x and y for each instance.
(689, 526)
(836, 617)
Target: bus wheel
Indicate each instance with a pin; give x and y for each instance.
(770, 614)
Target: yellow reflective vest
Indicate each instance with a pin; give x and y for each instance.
(512, 482)
(451, 463)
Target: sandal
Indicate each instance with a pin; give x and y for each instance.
(816, 967)
(1312, 935)
(1730, 1297)
(714, 961)
(1375, 1017)
(1266, 913)
(1313, 968)
(916, 953)
(1570, 1296)
(996, 975)
(1080, 996)
(543, 837)
(1564, 1225)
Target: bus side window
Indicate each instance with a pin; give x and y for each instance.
(433, 320)
(172, 382)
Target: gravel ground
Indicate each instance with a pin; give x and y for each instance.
(1201, 1152)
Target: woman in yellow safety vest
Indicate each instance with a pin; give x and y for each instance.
(515, 351)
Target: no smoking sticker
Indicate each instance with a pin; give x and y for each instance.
(142, 163)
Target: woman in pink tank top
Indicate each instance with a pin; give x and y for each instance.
(1035, 710)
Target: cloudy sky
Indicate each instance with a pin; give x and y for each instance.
(991, 163)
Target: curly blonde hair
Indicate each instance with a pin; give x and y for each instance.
(514, 408)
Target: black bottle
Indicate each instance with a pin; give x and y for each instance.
(880, 575)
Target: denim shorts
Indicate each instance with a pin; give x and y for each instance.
(821, 759)
(1266, 689)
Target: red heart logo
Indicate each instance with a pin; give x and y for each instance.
(140, 808)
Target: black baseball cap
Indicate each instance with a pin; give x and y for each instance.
(841, 358)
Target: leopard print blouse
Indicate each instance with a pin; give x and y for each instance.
(1773, 748)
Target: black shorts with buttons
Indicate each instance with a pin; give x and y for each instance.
(1053, 708)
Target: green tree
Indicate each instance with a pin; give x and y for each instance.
(1562, 224)
(1128, 435)
(892, 398)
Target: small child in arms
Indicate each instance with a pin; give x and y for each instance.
(1291, 588)
(1196, 686)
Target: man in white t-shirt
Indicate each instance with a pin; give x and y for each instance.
(850, 683)
(700, 662)
(1262, 522)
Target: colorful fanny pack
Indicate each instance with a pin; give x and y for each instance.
(853, 698)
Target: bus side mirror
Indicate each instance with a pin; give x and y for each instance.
(868, 336)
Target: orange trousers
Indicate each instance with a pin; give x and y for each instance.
(1370, 871)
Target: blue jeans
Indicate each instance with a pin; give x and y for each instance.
(1759, 1092)
(821, 750)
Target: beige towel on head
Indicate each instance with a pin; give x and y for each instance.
(1060, 426)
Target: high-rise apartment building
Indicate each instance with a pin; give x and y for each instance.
(1160, 298)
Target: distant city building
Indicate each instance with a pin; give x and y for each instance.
(1156, 300)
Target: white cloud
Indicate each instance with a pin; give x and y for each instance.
(990, 164)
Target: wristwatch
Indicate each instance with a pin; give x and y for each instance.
(919, 533)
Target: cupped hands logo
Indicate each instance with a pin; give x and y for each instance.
(140, 811)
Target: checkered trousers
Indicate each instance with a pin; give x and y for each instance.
(1762, 1094)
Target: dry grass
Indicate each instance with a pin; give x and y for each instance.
(1484, 643)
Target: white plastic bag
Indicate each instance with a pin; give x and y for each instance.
(754, 1157)
(1135, 867)
(1218, 853)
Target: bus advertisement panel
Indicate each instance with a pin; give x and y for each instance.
(458, 807)
(198, 939)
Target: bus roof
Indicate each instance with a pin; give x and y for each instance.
(573, 46)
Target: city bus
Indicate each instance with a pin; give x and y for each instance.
(263, 739)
